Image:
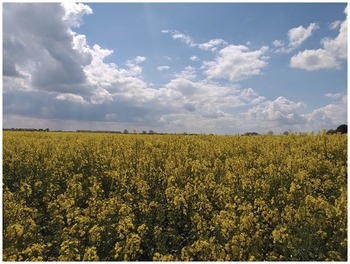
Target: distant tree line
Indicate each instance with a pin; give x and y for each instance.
(343, 129)
(98, 131)
(27, 129)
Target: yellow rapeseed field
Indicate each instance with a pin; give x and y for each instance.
(110, 197)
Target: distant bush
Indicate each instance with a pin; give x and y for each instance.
(342, 129)
(251, 134)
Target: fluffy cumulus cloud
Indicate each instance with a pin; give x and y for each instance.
(71, 97)
(163, 68)
(314, 60)
(194, 58)
(282, 114)
(134, 65)
(75, 12)
(331, 115)
(334, 95)
(236, 63)
(338, 45)
(298, 35)
(44, 58)
(278, 43)
(39, 46)
(188, 72)
(205, 96)
(202, 105)
(281, 111)
(330, 56)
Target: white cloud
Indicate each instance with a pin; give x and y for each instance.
(162, 68)
(314, 60)
(338, 45)
(203, 105)
(335, 24)
(205, 96)
(251, 96)
(236, 63)
(185, 38)
(75, 12)
(194, 122)
(278, 43)
(134, 67)
(278, 115)
(194, 58)
(71, 97)
(334, 95)
(98, 72)
(329, 116)
(100, 96)
(329, 57)
(108, 80)
(212, 44)
(23, 82)
(178, 35)
(49, 75)
(283, 114)
(80, 45)
(139, 59)
(298, 35)
(281, 111)
(58, 61)
(188, 73)
(216, 113)
(44, 48)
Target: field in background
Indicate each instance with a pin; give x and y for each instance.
(81, 196)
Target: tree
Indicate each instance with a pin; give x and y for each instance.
(125, 131)
(331, 131)
(342, 129)
(250, 134)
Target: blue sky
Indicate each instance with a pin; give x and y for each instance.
(221, 68)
